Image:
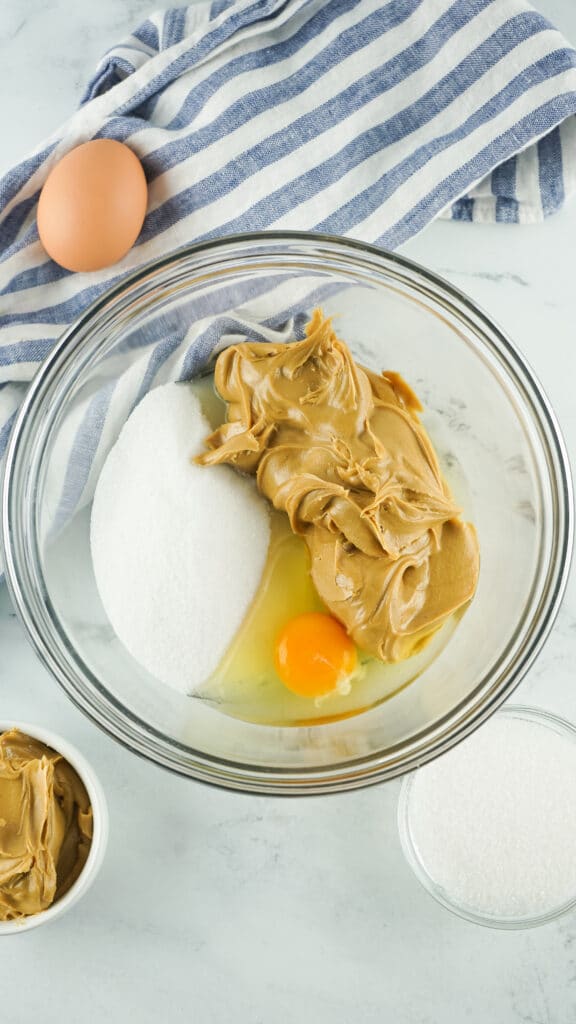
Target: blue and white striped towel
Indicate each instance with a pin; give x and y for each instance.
(357, 117)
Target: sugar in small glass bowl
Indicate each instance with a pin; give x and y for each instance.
(99, 843)
(489, 829)
(486, 414)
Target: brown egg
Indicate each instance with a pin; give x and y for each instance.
(93, 205)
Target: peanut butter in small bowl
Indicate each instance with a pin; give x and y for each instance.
(53, 827)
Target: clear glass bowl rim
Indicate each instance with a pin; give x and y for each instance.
(74, 344)
(524, 712)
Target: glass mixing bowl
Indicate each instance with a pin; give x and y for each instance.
(495, 433)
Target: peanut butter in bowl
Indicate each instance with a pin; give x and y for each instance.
(46, 827)
(341, 450)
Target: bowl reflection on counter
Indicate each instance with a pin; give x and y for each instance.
(492, 426)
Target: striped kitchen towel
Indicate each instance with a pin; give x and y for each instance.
(356, 117)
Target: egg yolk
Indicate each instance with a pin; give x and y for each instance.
(313, 654)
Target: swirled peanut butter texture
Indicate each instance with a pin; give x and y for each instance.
(45, 826)
(342, 451)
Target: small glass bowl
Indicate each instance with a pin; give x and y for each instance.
(528, 714)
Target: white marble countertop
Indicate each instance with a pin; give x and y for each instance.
(220, 907)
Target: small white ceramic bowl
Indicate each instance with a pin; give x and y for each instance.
(99, 839)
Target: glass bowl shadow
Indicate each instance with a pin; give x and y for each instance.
(497, 439)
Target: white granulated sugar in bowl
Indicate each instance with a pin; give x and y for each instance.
(178, 549)
(492, 822)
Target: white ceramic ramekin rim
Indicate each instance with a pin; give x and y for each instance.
(100, 835)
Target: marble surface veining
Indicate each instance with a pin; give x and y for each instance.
(215, 907)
